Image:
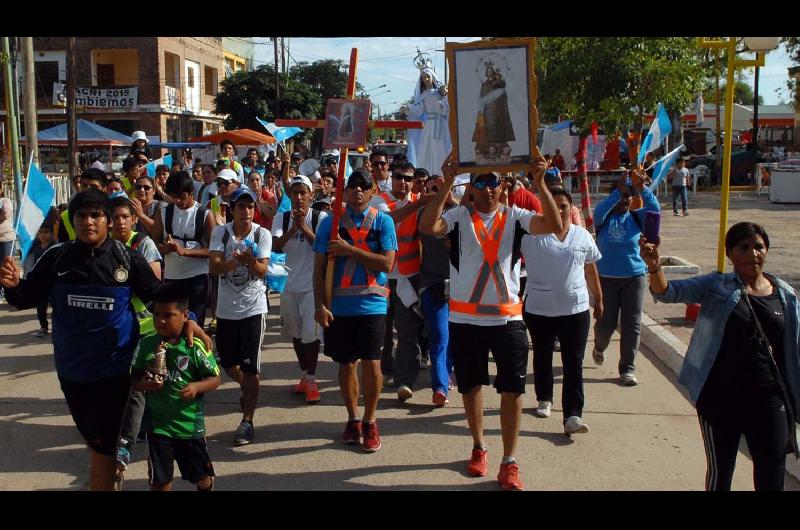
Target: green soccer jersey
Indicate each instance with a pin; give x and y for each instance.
(167, 413)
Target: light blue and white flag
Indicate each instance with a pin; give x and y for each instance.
(36, 201)
(151, 166)
(659, 131)
(663, 165)
(280, 133)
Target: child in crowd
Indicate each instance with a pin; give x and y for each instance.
(44, 240)
(174, 390)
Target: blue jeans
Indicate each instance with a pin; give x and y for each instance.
(436, 311)
(679, 191)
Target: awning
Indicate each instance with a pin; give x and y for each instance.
(238, 137)
(88, 133)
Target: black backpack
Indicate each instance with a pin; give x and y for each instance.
(314, 220)
(199, 223)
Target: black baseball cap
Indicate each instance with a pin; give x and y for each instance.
(360, 174)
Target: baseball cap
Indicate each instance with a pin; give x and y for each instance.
(228, 174)
(301, 179)
(296, 155)
(240, 193)
(474, 176)
(360, 174)
(138, 135)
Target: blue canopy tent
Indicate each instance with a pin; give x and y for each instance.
(88, 133)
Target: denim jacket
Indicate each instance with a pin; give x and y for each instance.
(718, 295)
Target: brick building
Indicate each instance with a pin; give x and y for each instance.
(176, 80)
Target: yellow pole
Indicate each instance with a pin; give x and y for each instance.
(726, 159)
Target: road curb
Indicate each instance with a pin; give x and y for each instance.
(671, 351)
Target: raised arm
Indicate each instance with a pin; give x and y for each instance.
(550, 220)
(431, 222)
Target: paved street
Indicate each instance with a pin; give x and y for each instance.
(641, 438)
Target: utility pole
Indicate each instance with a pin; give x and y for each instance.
(72, 132)
(277, 80)
(29, 100)
(283, 56)
(13, 135)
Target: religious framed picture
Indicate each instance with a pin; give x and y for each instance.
(346, 123)
(492, 95)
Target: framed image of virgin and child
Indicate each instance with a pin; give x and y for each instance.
(493, 117)
(346, 124)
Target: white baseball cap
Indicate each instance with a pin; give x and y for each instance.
(138, 135)
(228, 174)
(301, 179)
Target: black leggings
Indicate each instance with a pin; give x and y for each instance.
(572, 332)
(762, 421)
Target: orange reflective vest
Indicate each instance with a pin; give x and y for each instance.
(407, 258)
(358, 238)
(490, 245)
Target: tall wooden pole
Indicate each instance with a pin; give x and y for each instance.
(13, 131)
(72, 132)
(29, 100)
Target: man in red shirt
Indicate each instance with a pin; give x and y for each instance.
(519, 196)
(558, 160)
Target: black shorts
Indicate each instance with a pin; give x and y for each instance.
(470, 345)
(97, 409)
(191, 456)
(239, 342)
(197, 290)
(349, 339)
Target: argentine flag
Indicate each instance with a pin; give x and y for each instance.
(151, 166)
(281, 134)
(663, 165)
(659, 130)
(36, 201)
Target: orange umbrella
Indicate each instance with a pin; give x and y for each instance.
(238, 137)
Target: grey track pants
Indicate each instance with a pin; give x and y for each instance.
(623, 299)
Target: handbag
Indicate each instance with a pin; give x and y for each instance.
(760, 340)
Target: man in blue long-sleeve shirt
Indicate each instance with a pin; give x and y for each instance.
(622, 273)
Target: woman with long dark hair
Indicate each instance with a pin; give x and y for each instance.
(742, 367)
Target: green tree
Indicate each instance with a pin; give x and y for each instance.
(792, 45)
(742, 93)
(244, 96)
(615, 81)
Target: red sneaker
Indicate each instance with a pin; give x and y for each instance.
(509, 477)
(477, 464)
(312, 393)
(372, 440)
(440, 398)
(300, 388)
(352, 432)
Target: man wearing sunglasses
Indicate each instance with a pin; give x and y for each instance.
(485, 309)
(403, 207)
(354, 323)
(379, 166)
(227, 182)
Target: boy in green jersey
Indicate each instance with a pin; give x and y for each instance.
(174, 392)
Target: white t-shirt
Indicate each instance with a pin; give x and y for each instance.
(380, 204)
(178, 267)
(680, 177)
(299, 254)
(7, 227)
(556, 282)
(462, 281)
(240, 295)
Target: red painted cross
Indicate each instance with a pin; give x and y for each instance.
(339, 196)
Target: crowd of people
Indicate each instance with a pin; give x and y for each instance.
(148, 268)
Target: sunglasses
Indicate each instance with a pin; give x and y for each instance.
(222, 182)
(142, 187)
(363, 186)
(382, 163)
(483, 184)
(400, 176)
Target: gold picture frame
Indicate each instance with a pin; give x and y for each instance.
(492, 93)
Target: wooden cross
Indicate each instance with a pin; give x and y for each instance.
(339, 196)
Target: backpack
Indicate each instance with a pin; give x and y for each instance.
(199, 223)
(227, 237)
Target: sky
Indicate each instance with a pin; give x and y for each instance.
(389, 61)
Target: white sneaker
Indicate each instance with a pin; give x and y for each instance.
(628, 379)
(598, 357)
(574, 425)
(543, 410)
(404, 393)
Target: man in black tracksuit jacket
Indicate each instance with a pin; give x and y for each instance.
(91, 281)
